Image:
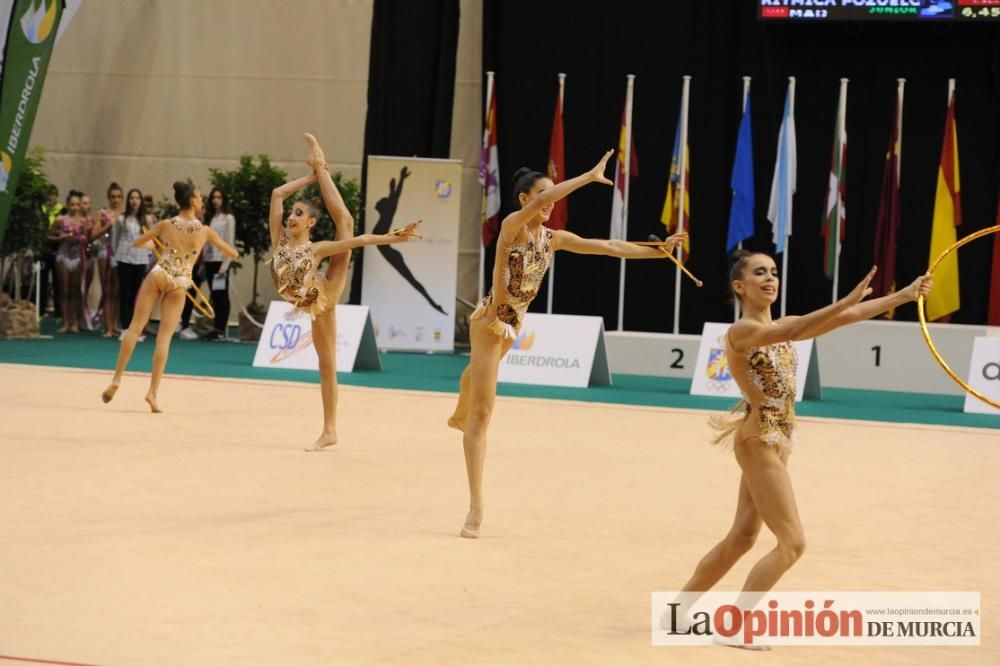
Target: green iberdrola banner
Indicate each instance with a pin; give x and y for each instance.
(31, 34)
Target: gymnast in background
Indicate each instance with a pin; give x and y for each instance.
(180, 240)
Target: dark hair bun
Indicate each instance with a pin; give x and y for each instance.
(521, 173)
(183, 193)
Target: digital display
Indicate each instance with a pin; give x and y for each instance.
(879, 10)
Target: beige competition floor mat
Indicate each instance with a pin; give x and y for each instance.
(206, 535)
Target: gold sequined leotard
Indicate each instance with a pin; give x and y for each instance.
(175, 263)
(769, 383)
(295, 279)
(522, 275)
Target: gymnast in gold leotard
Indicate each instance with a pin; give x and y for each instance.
(763, 364)
(524, 251)
(182, 239)
(295, 264)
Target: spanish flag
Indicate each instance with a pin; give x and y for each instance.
(947, 215)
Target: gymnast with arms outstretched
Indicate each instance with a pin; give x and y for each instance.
(295, 262)
(524, 250)
(763, 363)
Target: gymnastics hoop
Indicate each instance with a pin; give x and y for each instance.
(204, 306)
(923, 319)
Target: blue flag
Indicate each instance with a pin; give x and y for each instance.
(741, 209)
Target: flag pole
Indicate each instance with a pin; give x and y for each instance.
(627, 167)
(486, 184)
(552, 263)
(784, 255)
(841, 133)
(900, 84)
(739, 246)
(681, 188)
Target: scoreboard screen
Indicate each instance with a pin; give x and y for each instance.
(879, 10)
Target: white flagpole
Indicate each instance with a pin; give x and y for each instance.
(784, 255)
(627, 166)
(552, 264)
(681, 188)
(739, 246)
(841, 136)
(482, 248)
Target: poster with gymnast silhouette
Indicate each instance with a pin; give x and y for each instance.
(411, 287)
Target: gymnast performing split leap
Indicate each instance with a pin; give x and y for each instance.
(524, 249)
(181, 240)
(763, 364)
(294, 269)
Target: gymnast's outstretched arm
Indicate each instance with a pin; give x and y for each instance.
(567, 240)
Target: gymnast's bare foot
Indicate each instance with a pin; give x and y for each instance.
(472, 522)
(153, 406)
(453, 422)
(325, 440)
(316, 157)
(109, 393)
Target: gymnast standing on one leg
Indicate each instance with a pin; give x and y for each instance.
(294, 264)
(763, 364)
(181, 239)
(524, 249)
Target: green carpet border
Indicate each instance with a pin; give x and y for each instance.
(440, 372)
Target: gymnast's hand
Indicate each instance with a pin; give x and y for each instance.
(407, 233)
(860, 292)
(674, 240)
(922, 286)
(597, 173)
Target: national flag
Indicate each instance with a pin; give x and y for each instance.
(889, 212)
(944, 299)
(779, 209)
(670, 216)
(618, 198)
(993, 318)
(836, 194)
(557, 166)
(489, 173)
(741, 182)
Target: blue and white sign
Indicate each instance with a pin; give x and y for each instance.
(286, 341)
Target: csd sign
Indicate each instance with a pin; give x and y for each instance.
(285, 336)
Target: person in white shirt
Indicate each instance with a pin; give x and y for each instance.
(130, 261)
(214, 268)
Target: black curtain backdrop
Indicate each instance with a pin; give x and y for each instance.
(597, 43)
(411, 86)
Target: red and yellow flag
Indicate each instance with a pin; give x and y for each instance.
(944, 299)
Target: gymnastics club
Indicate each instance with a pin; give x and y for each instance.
(655, 240)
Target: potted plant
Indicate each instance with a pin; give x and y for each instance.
(249, 189)
(27, 227)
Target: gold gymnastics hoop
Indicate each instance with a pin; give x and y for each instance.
(199, 300)
(923, 320)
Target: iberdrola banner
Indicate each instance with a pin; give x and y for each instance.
(31, 33)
